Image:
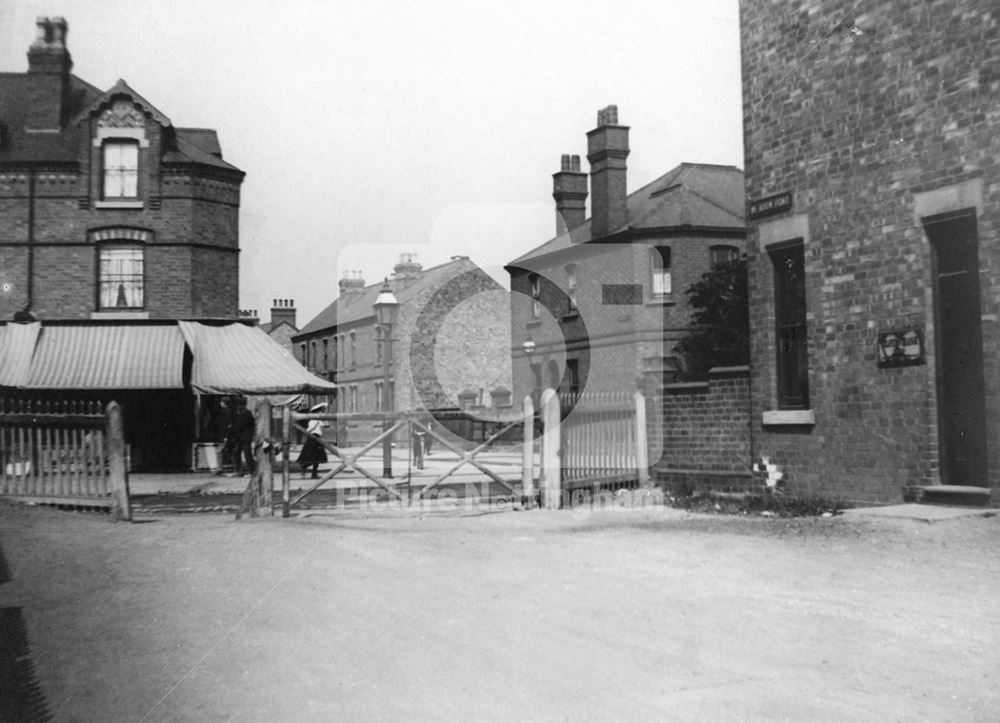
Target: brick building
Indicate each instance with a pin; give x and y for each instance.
(119, 249)
(872, 138)
(450, 344)
(601, 305)
(108, 209)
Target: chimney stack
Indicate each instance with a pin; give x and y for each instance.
(407, 268)
(351, 284)
(283, 311)
(607, 149)
(49, 64)
(569, 189)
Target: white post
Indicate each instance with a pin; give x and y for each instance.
(641, 441)
(551, 450)
(528, 453)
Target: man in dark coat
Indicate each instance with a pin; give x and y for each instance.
(244, 427)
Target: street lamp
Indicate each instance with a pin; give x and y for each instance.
(386, 311)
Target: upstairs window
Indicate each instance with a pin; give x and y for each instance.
(790, 322)
(660, 263)
(121, 169)
(535, 287)
(121, 277)
(571, 287)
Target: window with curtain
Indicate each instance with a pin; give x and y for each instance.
(536, 295)
(121, 168)
(660, 263)
(121, 277)
(571, 287)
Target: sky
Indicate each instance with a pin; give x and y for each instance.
(430, 127)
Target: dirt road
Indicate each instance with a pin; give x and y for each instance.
(614, 615)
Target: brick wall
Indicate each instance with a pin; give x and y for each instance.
(856, 108)
(704, 429)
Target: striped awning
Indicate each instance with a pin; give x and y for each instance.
(241, 359)
(107, 357)
(17, 345)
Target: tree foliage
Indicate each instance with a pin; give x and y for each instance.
(720, 323)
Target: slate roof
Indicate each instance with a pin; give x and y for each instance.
(189, 145)
(692, 194)
(21, 146)
(358, 306)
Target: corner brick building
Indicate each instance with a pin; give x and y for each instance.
(872, 139)
(450, 344)
(601, 306)
(107, 209)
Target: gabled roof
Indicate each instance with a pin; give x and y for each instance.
(121, 88)
(692, 194)
(188, 145)
(357, 306)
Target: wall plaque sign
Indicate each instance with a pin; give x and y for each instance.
(770, 205)
(900, 348)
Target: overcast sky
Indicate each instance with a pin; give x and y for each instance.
(369, 129)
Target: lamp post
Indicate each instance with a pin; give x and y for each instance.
(386, 310)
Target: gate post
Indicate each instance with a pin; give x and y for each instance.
(265, 468)
(286, 464)
(551, 451)
(528, 454)
(121, 508)
(641, 441)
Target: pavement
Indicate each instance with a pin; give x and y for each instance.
(923, 513)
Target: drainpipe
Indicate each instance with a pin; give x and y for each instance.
(31, 239)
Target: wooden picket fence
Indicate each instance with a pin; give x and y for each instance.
(64, 453)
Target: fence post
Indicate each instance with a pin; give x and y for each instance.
(551, 451)
(264, 462)
(528, 454)
(641, 441)
(121, 506)
(286, 465)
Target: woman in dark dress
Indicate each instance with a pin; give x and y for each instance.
(313, 453)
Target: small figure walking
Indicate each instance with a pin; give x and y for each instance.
(417, 444)
(428, 438)
(313, 454)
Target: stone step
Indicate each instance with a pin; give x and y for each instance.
(959, 495)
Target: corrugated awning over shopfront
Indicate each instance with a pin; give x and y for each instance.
(17, 344)
(227, 359)
(236, 358)
(107, 357)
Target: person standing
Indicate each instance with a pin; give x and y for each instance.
(417, 445)
(244, 427)
(313, 454)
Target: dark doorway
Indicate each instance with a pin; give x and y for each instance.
(961, 389)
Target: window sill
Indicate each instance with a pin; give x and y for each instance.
(789, 418)
(118, 204)
(665, 300)
(534, 324)
(125, 314)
